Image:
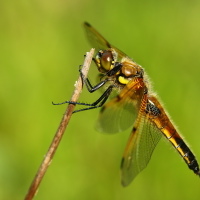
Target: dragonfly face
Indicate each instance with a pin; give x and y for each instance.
(135, 105)
(105, 60)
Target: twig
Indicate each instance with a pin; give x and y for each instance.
(61, 129)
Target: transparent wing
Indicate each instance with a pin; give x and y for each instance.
(98, 41)
(120, 113)
(143, 139)
(116, 116)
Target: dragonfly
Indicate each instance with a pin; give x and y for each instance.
(134, 104)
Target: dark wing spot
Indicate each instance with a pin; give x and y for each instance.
(122, 162)
(134, 129)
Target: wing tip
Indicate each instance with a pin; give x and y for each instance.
(87, 24)
(124, 184)
(124, 180)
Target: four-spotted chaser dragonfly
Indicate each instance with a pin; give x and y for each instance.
(135, 105)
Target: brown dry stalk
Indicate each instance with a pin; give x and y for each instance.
(61, 129)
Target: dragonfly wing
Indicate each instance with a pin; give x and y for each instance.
(143, 139)
(116, 116)
(98, 41)
(95, 38)
(120, 113)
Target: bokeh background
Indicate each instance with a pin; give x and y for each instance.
(42, 43)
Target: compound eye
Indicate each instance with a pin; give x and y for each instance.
(106, 61)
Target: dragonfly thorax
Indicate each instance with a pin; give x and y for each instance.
(129, 70)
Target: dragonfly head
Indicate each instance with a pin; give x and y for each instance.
(105, 60)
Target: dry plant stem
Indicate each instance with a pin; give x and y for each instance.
(61, 129)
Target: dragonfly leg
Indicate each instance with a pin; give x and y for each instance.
(89, 86)
(98, 103)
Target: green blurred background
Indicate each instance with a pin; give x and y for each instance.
(42, 43)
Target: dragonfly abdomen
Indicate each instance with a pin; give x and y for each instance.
(185, 152)
(162, 121)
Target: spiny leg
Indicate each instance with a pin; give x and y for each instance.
(98, 103)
